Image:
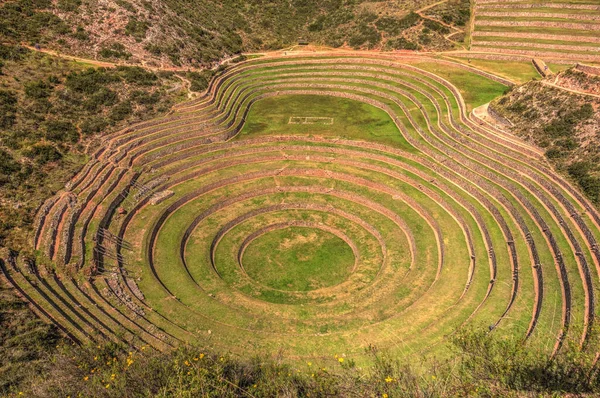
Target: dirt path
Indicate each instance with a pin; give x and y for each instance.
(103, 64)
(569, 89)
(188, 86)
(430, 6)
(107, 64)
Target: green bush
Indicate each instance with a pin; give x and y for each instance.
(81, 34)
(436, 26)
(38, 89)
(126, 5)
(61, 131)
(43, 153)
(568, 144)
(69, 5)
(8, 165)
(12, 53)
(591, 187)
(402, 44)
(103, 97)
(199, 80)
(8, 108)
(365, 34)
(121, 111)
(318, 24)
(239, 58)
(93, 125)
(145, 98)
(90, 80)
(137, 75)
(555, 153)
(115, 50)
(136, 28)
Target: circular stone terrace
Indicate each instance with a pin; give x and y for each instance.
(316, 206)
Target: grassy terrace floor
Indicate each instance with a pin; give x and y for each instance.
(317, 206)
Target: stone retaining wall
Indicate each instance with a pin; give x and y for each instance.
(592, 70)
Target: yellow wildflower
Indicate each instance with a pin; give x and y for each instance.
(388, 379)
(341, 360)
(86, 378)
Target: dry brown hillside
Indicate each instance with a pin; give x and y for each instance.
(551, 114)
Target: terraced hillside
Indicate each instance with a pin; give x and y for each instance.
(208, 225)
(552, 29)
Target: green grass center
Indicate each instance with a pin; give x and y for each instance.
(298, 259)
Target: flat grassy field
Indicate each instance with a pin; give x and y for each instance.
(342, 118)
(298, 259)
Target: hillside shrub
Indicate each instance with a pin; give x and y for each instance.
(136, 28)
(566, 121)
(402, 44)
(90, 80)
(115, 50)
(8, 165)
(199, 80)
(145, 98)
(61, 131)
(81, 34)
(137, 75)
(121, 111)
(38, 89)
(8, 108)
(94, 125)
(68, 5)
(43, 153)
(365, 34)
(436, 26)
(126, 5)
